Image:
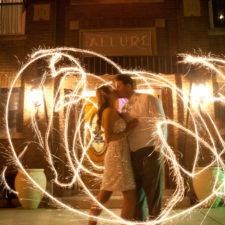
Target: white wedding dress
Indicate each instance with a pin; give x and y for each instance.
(118, 173)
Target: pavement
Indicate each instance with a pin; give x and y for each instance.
(42, 216)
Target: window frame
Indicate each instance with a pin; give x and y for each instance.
(23, 15)
(216, 21)
(213, 30)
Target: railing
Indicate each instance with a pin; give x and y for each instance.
(155, 64)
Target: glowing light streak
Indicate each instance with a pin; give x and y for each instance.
(81, 95)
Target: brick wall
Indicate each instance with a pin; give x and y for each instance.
(175, 33)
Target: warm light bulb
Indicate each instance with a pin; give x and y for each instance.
(200, 93)
(221, 16)
(36, 97)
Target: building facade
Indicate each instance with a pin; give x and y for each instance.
(135, 34)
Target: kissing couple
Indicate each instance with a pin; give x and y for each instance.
(132, 162)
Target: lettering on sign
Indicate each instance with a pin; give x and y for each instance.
(117, 43)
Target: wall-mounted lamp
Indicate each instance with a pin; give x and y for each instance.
(37, 100)
(200, 94)
(36, 97)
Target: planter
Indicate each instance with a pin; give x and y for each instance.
(29, 195)
(203, 184)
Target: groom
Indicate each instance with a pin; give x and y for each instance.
(145, 146)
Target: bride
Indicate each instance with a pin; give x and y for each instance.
(118, 174)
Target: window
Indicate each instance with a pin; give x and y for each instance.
(218, 13)
(12, 17)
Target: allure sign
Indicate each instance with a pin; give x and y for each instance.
(118, 42)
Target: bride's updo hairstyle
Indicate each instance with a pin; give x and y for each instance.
(103, 102)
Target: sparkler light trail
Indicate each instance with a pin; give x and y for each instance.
(64, 64)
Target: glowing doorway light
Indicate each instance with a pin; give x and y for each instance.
(88, 93)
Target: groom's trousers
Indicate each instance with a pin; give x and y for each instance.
(148, 177)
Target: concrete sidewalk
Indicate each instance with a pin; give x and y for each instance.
(21, 216)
